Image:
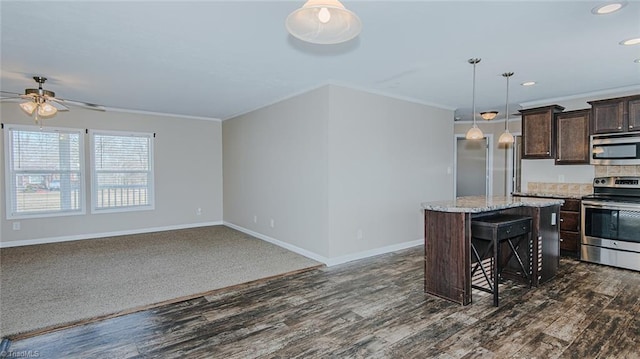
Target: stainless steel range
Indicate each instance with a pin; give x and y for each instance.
(611, 222)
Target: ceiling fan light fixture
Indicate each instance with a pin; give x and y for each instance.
(28, 107)
(489, 115)
(323, 22)
(47, 110)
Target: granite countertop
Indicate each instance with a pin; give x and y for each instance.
(478, 204)
(548, 195)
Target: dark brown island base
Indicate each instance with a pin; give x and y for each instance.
(447, 243)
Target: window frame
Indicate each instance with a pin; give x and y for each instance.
(94, 173)
(9, 176)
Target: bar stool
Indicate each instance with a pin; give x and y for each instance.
(492, 231)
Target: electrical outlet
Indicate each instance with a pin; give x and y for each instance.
(272, 223)
(16, 226)
(199, 211)
(255, 219)
(360, 235)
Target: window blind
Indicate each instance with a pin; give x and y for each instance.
(122, 171)
(45, 171)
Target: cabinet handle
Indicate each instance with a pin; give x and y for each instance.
(619, 127)
(561, 219)
(630, 126)
(561, 240)
(547, 152)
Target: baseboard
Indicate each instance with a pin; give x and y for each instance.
(285, 245)
(30, 242)
(329, 261)
(373, 252)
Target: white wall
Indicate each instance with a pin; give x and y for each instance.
(329, 163)
(386, 156)
(275, 167)
(188, 175)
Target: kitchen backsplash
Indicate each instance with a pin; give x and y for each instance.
(602, 171)
(581, 189)
(565, 189)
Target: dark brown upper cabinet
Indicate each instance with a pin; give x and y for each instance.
(620, 114)
(539, 132)
(572, 136)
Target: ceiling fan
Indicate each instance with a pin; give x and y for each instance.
(43, 103)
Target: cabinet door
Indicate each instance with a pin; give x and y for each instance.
(537, 136)
(538, 132)
(570, 227)
(570, 243)
(607, 117)
(573, 137)
(570, 221)
(634, 114)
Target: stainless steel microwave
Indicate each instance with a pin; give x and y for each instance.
(615, 149)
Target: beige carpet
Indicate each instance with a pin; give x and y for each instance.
(52, 284)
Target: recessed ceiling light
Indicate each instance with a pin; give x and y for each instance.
(632, 41)
(528, 83)
(608, 8)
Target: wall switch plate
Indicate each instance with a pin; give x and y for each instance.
(554, 219)
(272, 223)
(16, 226)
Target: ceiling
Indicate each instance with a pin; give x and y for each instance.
(219, 59)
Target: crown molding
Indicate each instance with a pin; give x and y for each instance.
(595, 94)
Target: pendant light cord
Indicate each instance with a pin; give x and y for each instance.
(474, 61)
(506, 111)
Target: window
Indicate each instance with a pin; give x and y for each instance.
(45, 171)
(122, 166)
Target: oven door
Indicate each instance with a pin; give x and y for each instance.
(611, 233)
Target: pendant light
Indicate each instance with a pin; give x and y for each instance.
(506, 137)
(474, 132)
(323, 22)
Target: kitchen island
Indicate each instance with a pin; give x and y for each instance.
(447, 242)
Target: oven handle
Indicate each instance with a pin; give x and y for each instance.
(610, 205)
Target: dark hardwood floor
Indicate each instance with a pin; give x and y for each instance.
(374, 308)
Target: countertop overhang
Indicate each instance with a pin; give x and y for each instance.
(549, 195)
(479, 204)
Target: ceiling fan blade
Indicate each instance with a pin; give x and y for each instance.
(87, 105)
(6, 95)
(54, 102)
(14, 98)
(11, 93)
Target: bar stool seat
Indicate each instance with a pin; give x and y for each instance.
(497, 229)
